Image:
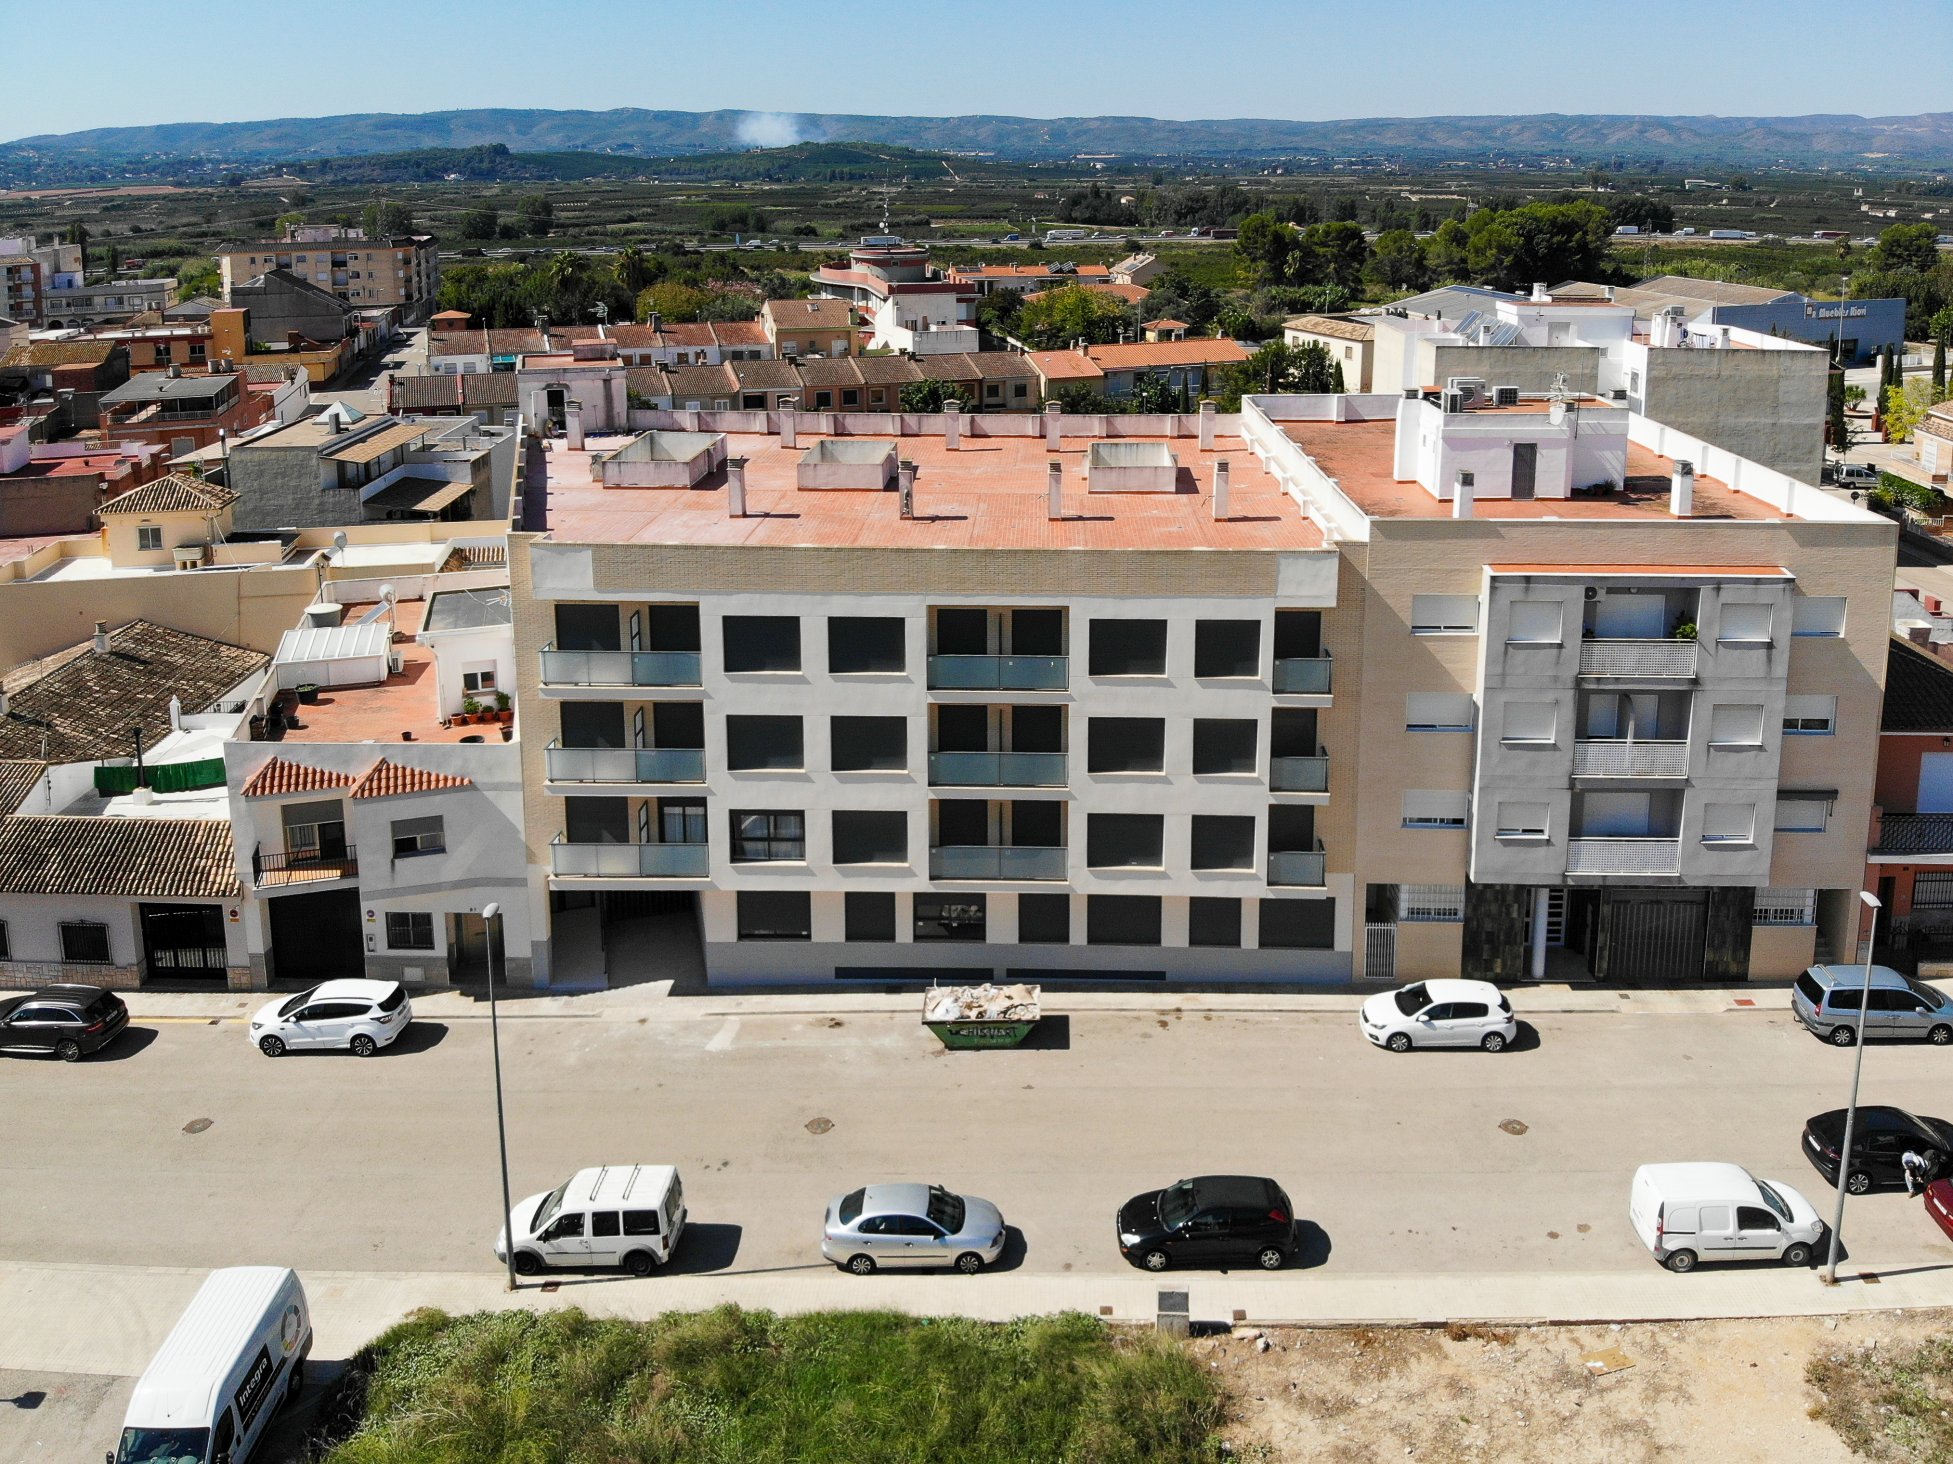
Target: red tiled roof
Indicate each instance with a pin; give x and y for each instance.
(389, 779)
(161, 858)
(1147, 354)
(281, 776)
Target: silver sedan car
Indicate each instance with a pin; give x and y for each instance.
(911, 1225)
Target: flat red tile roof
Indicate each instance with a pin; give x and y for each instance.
(408, 702)
(988, 494)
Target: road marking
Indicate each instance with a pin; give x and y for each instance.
(722, 1039)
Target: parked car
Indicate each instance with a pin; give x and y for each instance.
(1439, 1014)
(1686, 1213)
(911, 1225)
(66, 1021)
(1826, 999)
(1939, 1205)
(1215, 1220)
(628, 1215)
(1879, 1142)
(360, 1016)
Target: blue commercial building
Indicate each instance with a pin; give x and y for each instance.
(1860, 329)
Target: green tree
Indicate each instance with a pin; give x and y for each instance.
(1448, 252)
(672, 300)
(384, 219)
(1907, 246)
(1073, 312)
(1265, 243)
(478, 223)
(1398, 262)
(1650, 215)
(1939, 367)
(1279, 368)
(630, 270)
(1837, 426)
(1235, 323)
(1152, 394)
(1177, 295)
(196, 277)
(927, 395)
(535, 215)
(1329, 254)
(282, 226)
(1906, 407)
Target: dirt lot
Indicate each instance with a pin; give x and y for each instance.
(1520, 1395)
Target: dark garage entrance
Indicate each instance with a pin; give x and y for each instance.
(315, 938)
(183, 947)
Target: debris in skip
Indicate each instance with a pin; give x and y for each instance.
(985, 1003)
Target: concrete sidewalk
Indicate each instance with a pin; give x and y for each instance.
(129, 1310)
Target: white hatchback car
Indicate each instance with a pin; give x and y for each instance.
(1440, 1014)
(360, 1016)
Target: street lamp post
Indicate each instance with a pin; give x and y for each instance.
(1851, 1109)
(492, 917)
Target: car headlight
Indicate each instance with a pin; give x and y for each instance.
(1126, 1237)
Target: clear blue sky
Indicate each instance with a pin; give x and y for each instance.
(1193, 58)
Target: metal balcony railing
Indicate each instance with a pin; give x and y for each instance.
(303, 866)
(995, 861)
(1915, 834)
(629, 861)
(997, 769)
(1299, 774)
(619, 668)
(1620, 758)
(1624, 856)
(1303, 675)
(999, 673)
(625, 764)
(1659, 660)
(1297, 867)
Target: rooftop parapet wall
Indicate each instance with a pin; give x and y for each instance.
(662, 460)
(846, 464)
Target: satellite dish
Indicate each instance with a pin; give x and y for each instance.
(1556, 414)
(386, 593)
(339, 539)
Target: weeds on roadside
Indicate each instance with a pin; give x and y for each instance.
(1889, 1403)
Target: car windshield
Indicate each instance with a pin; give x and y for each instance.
(1774, 1200)
(1177, 1204)
(849, 1210)
(391, 1001)
(1929, 994)
(546, 1211)
(946, 1209)
(162, 1446)
(296, 1002)
(1413, 999)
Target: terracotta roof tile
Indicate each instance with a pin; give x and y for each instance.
(17, 780)
(156, 858)
(390, 779)
(60, 353)
(740, 333)
(281, 776)
(173, 493)
(1146, 355)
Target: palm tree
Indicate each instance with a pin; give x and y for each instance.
(631, 273)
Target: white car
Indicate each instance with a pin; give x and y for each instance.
(1440, 1014)
(360, 1016)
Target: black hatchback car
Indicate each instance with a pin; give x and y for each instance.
(1216, 1220)
(1879, 1144)
(66, 1021)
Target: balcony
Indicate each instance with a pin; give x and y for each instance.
(1302, 867)
(1620, 758)
(1299, 774)
(1303, 676)
(1913, 835)
(625, 764)
(995, 861)
(629, 861)
(999, 673)
(997, 769)
(1638, 660)
(619, 668)
(303, 866)
(1631, 856)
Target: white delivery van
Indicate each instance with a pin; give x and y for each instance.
(1685, 1213)
(235, 1354)
(628, 1215)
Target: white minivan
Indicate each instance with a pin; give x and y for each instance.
(235, 1354)
(1685, 1213)
(627, 1215)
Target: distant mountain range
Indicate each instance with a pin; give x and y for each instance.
(1912, 143)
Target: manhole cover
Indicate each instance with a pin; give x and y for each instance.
(1513, 1126)
(196, 1125)
(819, 1125)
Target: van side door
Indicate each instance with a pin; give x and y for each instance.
(1716, 1228)
(223, 1439)
(1758, 1231)
(606, 1239)
(563, 1242)
(642, 1231)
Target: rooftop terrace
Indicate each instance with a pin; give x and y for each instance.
(407, 702)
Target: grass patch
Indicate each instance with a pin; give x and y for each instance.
(1889, 1403)
(731, 1386)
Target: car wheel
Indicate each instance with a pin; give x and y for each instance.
(68, 1050)
(1680, 1262)
(271, 1046)
(1941, 1035)
(1858, 1183)
(639, 1263)
(1494, 1042)
(1797, 1255)
(969, 1263)
(1842, 1036)
(862, 1265)
(364, 1046)
(527, 1263)
(1399, 1042)
(1270, 1258)
(1154, 1260)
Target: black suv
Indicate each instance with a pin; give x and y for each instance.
(64, 1020)
(1216, 1220)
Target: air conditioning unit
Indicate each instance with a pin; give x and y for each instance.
(1471, 388)
(1454, 402)
(396, 663)
(1505, 396)
(1593, 592)
(188, 556)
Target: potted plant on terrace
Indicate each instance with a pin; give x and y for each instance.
(504, 712)
(470, 710)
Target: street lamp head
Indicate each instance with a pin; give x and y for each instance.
(1870, 899)
(491, 910)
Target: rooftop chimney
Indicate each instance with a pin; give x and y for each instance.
(1054, 487)
(1681, 489)
(1209, 409)
(1220, 489)
(905, 486)
(952, 424)
(1053, 426)
(789, 422)
(3, 701)
(573, 424)
(1539, 292)
(101, 638)
(736, 487)
(176, 713)
(656, 321)
(1461, 496)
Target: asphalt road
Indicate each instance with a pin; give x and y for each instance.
(1399, 1163)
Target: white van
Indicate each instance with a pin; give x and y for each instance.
(235, 1354)
(1686, 1213)
(628, 1215)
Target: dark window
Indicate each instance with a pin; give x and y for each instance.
(597, 820)
(963, 822)
(603, 1222)
(1223, 842)
(1037, 632)
(1125, 744)
(1213, 921)
(1298, 634)
(962, 632)
(567, 1227)
(1292, 732)
(762, 834)
(675, 724)
(1122, 920)
(1298, 925)
(6, 948)
(1227, 648)
(870, 915)
(673, 628)
(1037, 729)
(1044, 919)
(587, 628)
(1469, 1011)
(864, 744)
(412, 836)
(1125, 840)
(1291, 830)
(775, 915)
(764, 743)
(640, 1222)
(863, 837)
(410, 930)
(949, 917)
(84, 941)
(1755, 1217)
(593, 724)
(1128, 648)
(861, 644)
(1037, 825)
(762, 643)
(962, 728)
(681, 820)
(1224, 746)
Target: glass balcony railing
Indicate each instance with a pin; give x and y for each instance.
(630, 861)
(619, 668)
(995, 861)
(999, 673)
(997, 769)
(1303, 675)
(1297, 867)
(1299, 774)
(625, 764)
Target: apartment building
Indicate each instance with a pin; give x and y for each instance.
(343, 468)
(907, 302)
(403, 270)
(183, 412)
